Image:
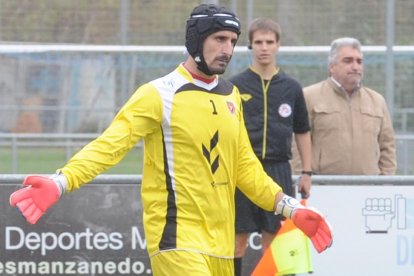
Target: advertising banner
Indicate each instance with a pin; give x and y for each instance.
(97, 230)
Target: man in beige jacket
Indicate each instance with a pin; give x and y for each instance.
(351, 129)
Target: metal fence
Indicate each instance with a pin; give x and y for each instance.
(160, 22)
(78, 89)
(48, 89)
(72, 88)
(12, 145)
(45, 152)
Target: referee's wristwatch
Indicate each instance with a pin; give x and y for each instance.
(310, 173)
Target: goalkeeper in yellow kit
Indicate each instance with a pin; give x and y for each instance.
(196, 151)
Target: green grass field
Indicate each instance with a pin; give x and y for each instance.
(46, 161)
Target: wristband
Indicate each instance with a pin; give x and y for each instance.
(310, 173)
(287, 206)
(61, 182)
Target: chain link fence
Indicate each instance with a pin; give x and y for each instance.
(63, 68)
(76, 89)
(159, 22)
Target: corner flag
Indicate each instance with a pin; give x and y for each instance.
(289, 253)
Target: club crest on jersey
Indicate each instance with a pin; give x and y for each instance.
(231, 107)
(285, 110)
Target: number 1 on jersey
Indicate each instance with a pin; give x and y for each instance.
(214, 107)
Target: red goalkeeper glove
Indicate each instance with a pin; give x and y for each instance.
(39, 195)
(310, 221)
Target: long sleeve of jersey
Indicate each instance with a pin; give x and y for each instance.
(140, 116)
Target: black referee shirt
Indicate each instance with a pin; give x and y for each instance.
(272, 112)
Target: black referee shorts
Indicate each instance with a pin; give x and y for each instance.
(251, 218)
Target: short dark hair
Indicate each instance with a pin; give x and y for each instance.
(264, 24)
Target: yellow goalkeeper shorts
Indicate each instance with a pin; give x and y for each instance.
(178, 262)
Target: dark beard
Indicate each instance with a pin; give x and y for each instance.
(220, 70)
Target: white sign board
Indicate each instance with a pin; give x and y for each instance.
(373, 230)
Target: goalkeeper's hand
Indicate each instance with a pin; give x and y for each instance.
(310, 221)
(38, 195)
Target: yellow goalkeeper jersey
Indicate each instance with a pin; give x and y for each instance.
(196, 150)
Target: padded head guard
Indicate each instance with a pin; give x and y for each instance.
(205, 20)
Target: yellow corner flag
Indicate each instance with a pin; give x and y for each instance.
(289, 253)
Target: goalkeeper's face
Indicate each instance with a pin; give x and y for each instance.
(218, 50)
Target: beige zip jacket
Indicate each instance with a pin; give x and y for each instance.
(350, 134)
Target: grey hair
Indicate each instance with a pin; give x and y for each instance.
(341, 42)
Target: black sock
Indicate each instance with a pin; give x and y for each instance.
(237, 266)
